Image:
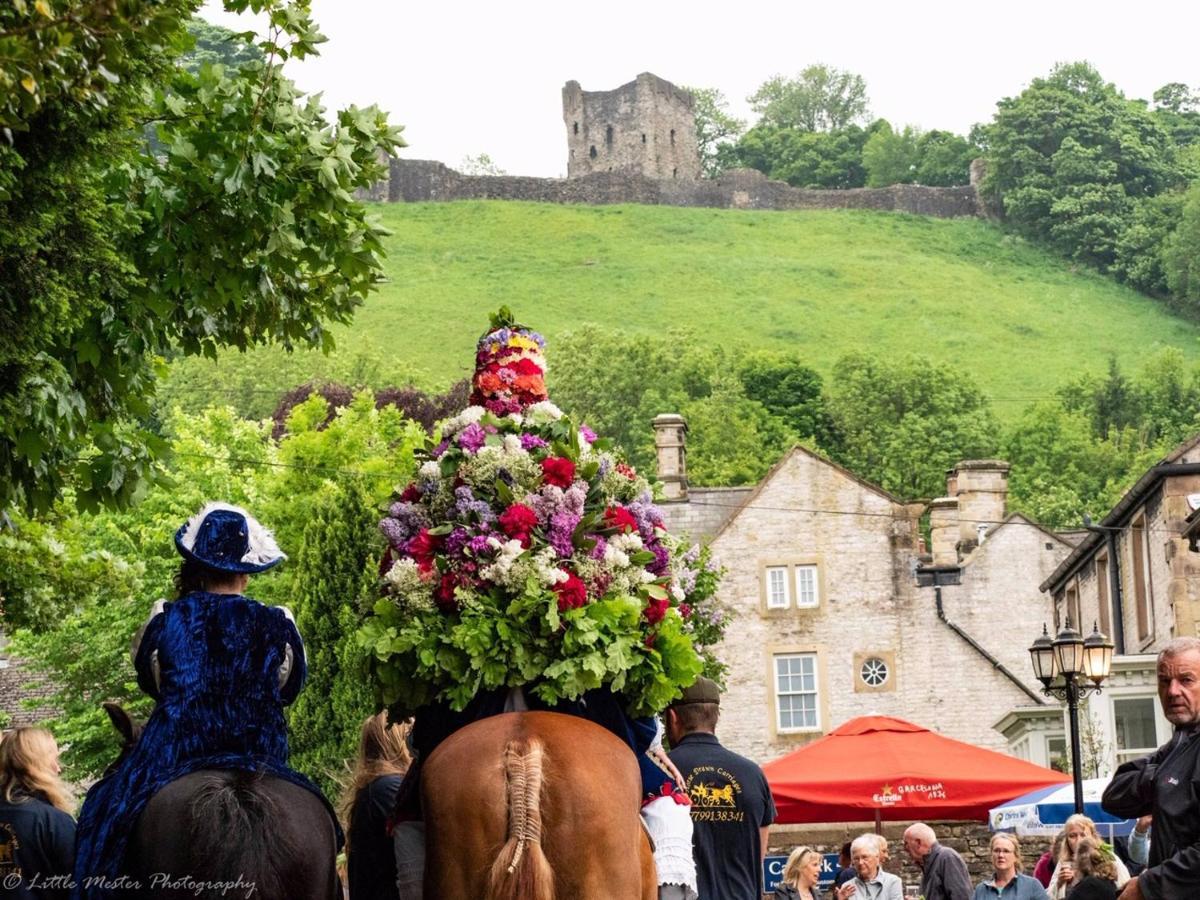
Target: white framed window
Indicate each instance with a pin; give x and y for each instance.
(1134, 727)
(796, 692)
(1056, 754)
(807, 594)
(778, 589)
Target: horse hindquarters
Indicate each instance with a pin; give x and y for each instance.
(478, 795)
(226, 826)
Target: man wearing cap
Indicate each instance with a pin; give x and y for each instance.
(732, 808)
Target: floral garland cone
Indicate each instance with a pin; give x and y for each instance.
(528, 553)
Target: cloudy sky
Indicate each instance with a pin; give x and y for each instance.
(466, 77)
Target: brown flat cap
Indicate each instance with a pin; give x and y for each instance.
(704, 690)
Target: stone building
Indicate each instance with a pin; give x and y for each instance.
(841, 613)
(1133, 577)
(646, 127)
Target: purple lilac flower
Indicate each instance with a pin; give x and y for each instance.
(546, 502)
(662, 557)
(562, 527)
(441, 448)
(393, 532)
(692, 555)
(574, 498)
(532, 441)
(405, 520)
(472, 437)
(456, 541)
(587, 434)
(687, 580)
(466, 505)
(605, 465)
(647, 514)
(601, 546)
(478, 545)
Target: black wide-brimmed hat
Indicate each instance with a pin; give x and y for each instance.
(229, 539)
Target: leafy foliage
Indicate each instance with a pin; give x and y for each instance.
(820, 98)
(715, 129)
(243, 232)
(890, 156)
(1181, 253)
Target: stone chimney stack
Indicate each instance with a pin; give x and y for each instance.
(981, 486)
(670, 442)
(943, 531)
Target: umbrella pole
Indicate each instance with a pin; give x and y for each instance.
(878, 823)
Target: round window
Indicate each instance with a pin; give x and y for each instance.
(874, 672)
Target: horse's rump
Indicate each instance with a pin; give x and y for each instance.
(535, 805)
(235, 832)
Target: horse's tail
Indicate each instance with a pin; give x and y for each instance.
(234, 817)
(521, 870)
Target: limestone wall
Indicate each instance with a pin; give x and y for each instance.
(415, 181)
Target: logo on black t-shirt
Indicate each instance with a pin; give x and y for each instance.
(716, 795)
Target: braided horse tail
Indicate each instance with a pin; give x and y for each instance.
(521, 870)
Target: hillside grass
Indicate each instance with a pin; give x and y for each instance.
(818, 283)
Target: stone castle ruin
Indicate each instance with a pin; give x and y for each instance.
(637, 144)
(646, 127)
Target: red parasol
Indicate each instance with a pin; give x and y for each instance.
(880, 768)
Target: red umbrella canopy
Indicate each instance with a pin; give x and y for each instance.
(901, 770)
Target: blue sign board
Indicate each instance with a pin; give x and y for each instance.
(773, 870)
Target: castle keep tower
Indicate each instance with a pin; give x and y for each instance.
(646, 127)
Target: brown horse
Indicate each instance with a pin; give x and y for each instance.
(535, 806)
(240, 833)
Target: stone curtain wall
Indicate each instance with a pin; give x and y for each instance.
(418, 181)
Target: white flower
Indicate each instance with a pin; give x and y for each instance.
(403, 575)
(468, 416)
(429, 470)
(628, 541)
(509, 551)
(512, 444)
(545, 411)
(615, 557)
(677, 592)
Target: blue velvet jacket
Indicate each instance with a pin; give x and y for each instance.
(220, 706)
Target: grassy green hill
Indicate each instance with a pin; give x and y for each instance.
(818, 283)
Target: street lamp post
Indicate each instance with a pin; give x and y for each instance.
(1065, 665)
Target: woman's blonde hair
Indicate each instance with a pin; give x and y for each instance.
(1089, 827)
(381, 751)
(1016, 846)
(796, 861)
(1093, 857)
(28, 768)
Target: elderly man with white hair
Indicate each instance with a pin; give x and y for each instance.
(870, 881)
(944, 874)
(1164, 783)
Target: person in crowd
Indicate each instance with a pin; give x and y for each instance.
(845, 870)
(1135, 849)
(884, 854)
(870, 882)
(1007, 881)
(732, 807)
(1044, 870)
(366, 806)
(37, 833)
(221, 667)
(1096, 866)
(800, 876)
(1163, 784)
(944, 874)
(1065, 875)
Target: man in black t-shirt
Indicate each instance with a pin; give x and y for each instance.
(732, 808)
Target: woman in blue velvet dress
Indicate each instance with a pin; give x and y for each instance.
(221, 666)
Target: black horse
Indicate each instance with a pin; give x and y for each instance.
(227, 833)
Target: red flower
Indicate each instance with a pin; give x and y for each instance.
(620, 519)
(685, 610)
(626, 470)
(443, 594)
(655, 610)
(411, 494)
(517, 521)
(558, 471)
(572, 593)
(422, 549)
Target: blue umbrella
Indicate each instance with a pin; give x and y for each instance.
(1045, 811)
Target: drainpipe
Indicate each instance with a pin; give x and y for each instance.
(1114, 593)
(982, 651)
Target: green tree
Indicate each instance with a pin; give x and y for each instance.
(944, 159)
(1067, 158)
(787, 389)
(902, 423)
(481, 164)
(1178, 107)
(213, 44)
(1139, 255)
(820, 98)
(1181, 254)
(890, 156)
(803, 158)
(244, 231)
(715, 128)
(333, 578)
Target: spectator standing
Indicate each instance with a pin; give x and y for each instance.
(1079, 827)
(1007, 881)
(1044, 870)
(870, 882)
(944, 874)
(845, 870)
(1163, 784)
(366, 806)
(1096, 865)
(37, 833)
(800, 876)
(732, 808)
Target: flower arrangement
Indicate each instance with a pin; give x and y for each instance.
(528, 553)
